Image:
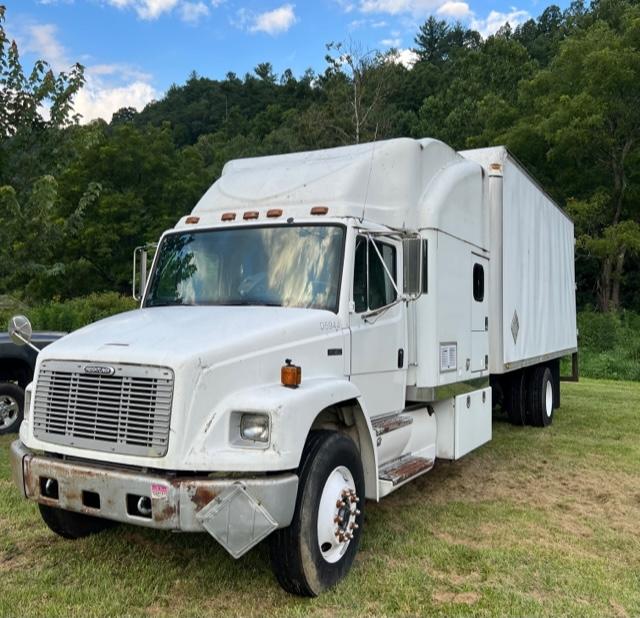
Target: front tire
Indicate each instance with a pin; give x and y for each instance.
(317, 550)
(11, 407)
(541, 396)
(71, 525)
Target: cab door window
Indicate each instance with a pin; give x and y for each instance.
(372, 287)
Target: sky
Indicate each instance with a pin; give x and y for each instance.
(134, 50)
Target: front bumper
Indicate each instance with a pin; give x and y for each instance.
(238, 513)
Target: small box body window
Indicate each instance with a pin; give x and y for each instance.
(478, 282)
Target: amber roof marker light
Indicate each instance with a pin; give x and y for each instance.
(192, 220)
(274, 212)
(228, 216)
(250, 214)
(290, 375)
(319, 210)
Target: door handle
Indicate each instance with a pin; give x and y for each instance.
(400, 358)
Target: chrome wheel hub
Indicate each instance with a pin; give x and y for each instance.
(9, 410)
(548, 399)
(337, 514)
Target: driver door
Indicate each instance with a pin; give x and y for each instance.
(378, 340)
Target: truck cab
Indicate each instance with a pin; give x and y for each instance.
(315, 333)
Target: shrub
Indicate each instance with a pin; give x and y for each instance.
(72, 314)
(599, 331)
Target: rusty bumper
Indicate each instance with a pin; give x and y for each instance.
(238, 513)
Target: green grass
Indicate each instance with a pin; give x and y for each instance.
(537, 522)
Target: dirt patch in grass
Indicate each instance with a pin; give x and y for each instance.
(456, 598)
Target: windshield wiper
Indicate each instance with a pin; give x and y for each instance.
(167, 304)
(250, 303)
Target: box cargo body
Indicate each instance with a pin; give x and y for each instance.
(532, 308)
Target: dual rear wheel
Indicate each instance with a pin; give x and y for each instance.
(530, 396)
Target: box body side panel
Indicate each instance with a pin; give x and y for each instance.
(538, 278)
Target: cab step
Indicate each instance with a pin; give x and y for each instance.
(390, 422)
(404, 468)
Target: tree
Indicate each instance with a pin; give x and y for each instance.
(24, 97)
(586, 106)
(356, 87)
(437, 41)
(432, 40)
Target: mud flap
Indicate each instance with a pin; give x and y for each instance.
(236, 520)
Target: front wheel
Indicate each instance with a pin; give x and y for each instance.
(71, 525)
(317, 550)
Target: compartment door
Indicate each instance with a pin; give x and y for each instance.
(479, 313)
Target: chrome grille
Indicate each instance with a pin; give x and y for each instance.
(128, 412)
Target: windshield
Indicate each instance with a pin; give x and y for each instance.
(292, 266)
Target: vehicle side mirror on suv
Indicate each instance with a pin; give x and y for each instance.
(20, 331)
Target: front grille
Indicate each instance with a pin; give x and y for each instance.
(128, 412)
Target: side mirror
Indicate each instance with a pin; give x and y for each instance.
(414, 259)
(20, 330)
(140, 268)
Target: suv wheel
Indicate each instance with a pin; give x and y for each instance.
(11, 407)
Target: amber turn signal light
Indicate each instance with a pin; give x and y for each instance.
(291, 375)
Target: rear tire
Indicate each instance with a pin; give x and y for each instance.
(71, 525)
(541, 396)
(11, 407)
(315, 551)
(516, 399)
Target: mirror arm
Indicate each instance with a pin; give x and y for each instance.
(26, 342)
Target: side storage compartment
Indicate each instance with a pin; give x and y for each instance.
(463, 423)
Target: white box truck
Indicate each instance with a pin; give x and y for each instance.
(321, 329)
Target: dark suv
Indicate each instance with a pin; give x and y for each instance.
(16, 371)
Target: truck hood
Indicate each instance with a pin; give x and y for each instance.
(169, 336)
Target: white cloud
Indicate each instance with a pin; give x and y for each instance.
(40, 39)
(495, 20)
(98, 101)
(146, 9)
(397, 7)
(274, 22)
(346, 5)
(192, 12)
(108, 87)
(406, 57)
(391, 42)
(455, 9)
(188, 11)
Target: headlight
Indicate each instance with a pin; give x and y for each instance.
(254, 427)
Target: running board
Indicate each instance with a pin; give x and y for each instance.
(390, 422)
(401, 470)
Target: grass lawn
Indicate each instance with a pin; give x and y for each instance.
(537, 522)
